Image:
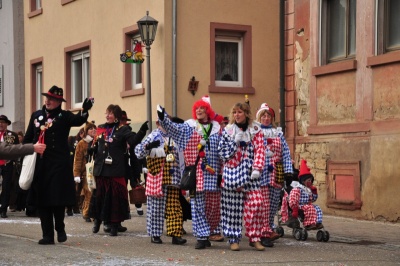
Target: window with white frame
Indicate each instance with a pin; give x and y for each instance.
(388, 30)
(38, 4)
(228, 61)
(338, 30)
(136, 69)
(39, 86)
(80, 77)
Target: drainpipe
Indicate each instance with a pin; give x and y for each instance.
(282, 117)
(174, 99)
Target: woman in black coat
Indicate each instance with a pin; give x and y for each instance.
(110, 203)
(53, 185)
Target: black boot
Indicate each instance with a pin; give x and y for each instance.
(177, 240)
(121, 228)
(96, 226)
(202, 244)
(114, 230)
(107, 228)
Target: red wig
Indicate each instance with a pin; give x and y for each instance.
(200, 103)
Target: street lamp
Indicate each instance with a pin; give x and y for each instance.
(148, 29)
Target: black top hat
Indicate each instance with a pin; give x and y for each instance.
(3, 117)
(56, 93)
(125, 116)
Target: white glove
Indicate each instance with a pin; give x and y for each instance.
(239, 136)
(77, 179)
(145, 170)
(255, 174)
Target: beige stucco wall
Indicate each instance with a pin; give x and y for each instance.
(102, 23)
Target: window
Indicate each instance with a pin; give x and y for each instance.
(77, 74)
(136, 69)
(39, 86)
(228, 62)
(132, 72)
(35, 8)
(338, 30)
(37, 99)
(388, 21)
(231, 63)
(80, 77)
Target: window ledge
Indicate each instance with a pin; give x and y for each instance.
(35, 13)
(334, 68)
(383, 59)
(133, 92)
(237, 90)
(64, 2)
(338, 129)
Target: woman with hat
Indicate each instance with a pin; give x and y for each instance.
(302, 196)
(277, 164)
(199, 138)
(80, 159)
(110, 200)
(53, 186)
(242, 150)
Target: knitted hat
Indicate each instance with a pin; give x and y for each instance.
(88, 126)
(205, 103)
(305, 173)
(265, 106)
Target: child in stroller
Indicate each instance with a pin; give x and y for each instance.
(298, 203)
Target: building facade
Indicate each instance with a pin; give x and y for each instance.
(12, 71)
(226, 47)
(343, 102)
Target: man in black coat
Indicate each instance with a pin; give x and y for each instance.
(6, 166)
(53, 186)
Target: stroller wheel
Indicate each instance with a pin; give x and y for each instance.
(320, 235)
(280, 231)
(297, 234)
(326, 236)
(304, 235)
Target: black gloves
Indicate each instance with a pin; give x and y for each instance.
(152, 145)
(161, 112)
(87, 104)
(144, 127)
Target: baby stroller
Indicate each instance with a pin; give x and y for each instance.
(299, 231)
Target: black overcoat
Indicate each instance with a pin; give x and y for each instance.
(53, 183)
(116, 149)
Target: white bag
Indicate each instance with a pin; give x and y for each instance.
(89, 175)
(27, 171)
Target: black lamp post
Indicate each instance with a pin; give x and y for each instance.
(148, 29)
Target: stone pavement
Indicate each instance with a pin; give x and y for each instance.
(352, 242)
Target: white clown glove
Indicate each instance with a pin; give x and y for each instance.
(239, 136)
(255, 174)
(77, 179)
(145, 170)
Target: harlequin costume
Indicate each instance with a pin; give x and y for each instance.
(277, 155)
(189, 135)
(162, 186)
(241, 195)
(302, 197)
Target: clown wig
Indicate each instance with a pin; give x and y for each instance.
(200, 103)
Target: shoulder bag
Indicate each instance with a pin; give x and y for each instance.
(27, 171)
